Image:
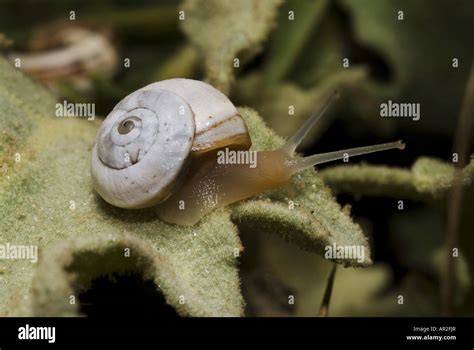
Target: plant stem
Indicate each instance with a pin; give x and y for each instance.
(461, 147)
(324, 309)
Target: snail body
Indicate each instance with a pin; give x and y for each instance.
(158, 147)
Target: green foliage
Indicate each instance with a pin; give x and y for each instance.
(198, 269)
(288, 40)
(429, 179)
(199, 263)
(89, 239)
(312, 220)
(421, 62)
(273, 102)
(225, 30)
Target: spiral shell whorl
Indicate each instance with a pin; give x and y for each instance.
(141, 148)
(129, 139)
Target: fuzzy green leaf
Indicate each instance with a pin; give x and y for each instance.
(291, 35)
(224, 30)
(273, 103)
(195, 268)
(404, 46)
(46, 200)
(428, 179)
(316, 220)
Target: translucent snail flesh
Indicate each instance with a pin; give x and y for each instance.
(158, 147)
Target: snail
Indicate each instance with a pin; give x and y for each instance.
(159, 145)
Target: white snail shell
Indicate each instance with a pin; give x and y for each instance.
(143, 145)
